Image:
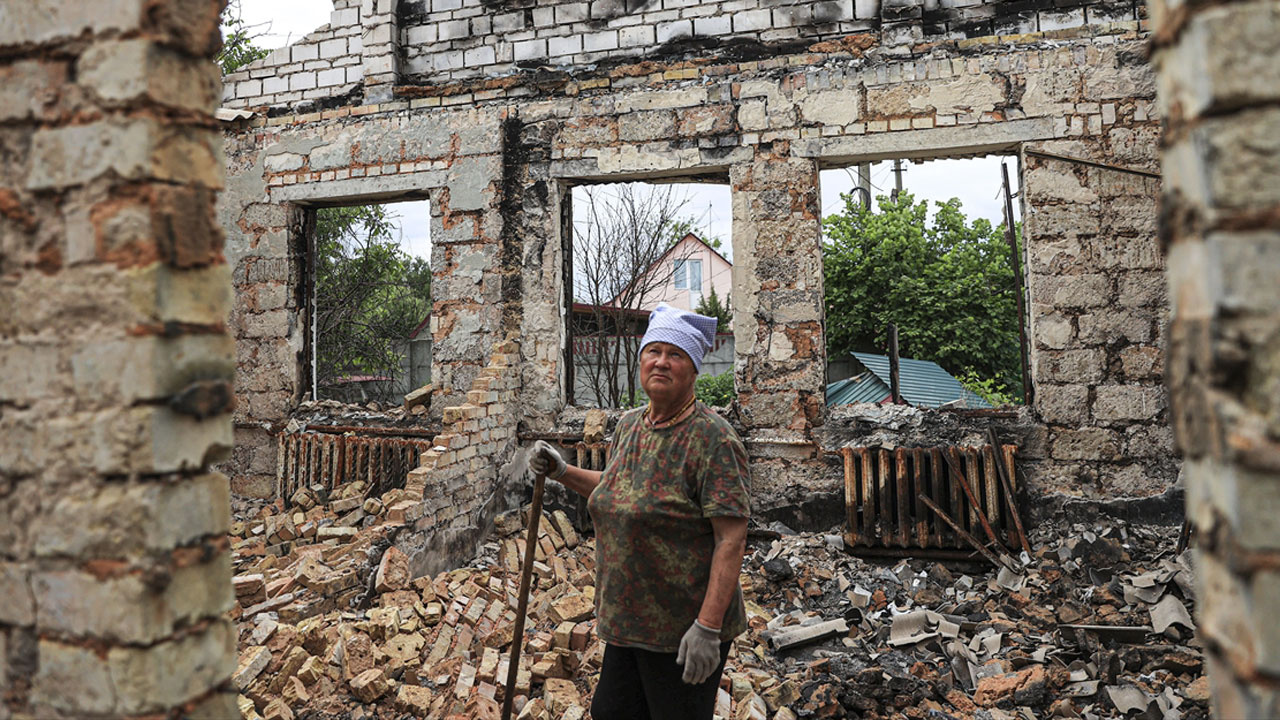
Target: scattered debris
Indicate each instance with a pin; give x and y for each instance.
(1094, 623)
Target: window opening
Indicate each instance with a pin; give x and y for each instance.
(635, 245)
(921, 245)
(371, 302)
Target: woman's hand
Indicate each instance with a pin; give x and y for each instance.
(699, 653)
(545, 460)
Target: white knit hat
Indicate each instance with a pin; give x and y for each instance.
(693, 333)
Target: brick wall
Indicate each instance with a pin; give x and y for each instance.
(459, 39)
(115, 363)
(442, 41)
(353, 156)
(463, 481)
(325, 63)
(499, 156)
(1219, 86)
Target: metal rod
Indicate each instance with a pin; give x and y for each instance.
(1092, 163)
(1015, 258)
(522, 607)
(959, 531)
(1005, 472)
(958, 477)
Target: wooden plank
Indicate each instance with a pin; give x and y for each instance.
(902, 482)
(307, 476)
(1017, 535)
(970, 469)
(868, 496)
(282, 445)
(957, 498)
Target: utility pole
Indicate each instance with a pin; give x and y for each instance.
(864, 184)
(895, 388)
(897, 178)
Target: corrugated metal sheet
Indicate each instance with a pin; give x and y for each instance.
(924, 384)
(862, 388)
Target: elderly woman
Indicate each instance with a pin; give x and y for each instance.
(670, 512)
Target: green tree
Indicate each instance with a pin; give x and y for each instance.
(238, 46)
(684, 226)
(947, 284)
(711, 306)
(370, 294)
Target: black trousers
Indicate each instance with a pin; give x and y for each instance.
(638, 684)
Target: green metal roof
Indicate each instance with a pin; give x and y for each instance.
(864, 387)
(924, 384)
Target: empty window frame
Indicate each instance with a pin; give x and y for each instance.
(370, 301)
(921, 246)
(633, 246)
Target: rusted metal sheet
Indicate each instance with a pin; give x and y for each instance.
(896, 499)
(322, 458)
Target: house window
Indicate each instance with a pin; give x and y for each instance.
(689, 275)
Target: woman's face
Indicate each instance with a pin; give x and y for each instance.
(666, 371)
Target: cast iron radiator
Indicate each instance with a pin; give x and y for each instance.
(318, 458)
(885, 512)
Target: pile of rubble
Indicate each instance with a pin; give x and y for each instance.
(1096, 624)
(1092, 625)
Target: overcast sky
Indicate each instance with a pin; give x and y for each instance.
(975, 181)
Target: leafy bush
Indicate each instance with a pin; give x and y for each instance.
(987, 389)
(715, 390)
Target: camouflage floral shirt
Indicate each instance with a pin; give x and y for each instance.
(654, 540)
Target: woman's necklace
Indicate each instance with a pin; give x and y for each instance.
(659, 424)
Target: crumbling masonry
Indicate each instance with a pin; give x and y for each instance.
(115, 363)
(495, 111)
(1219, 87)
(114, 357)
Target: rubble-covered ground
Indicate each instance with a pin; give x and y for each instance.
(1095, 623)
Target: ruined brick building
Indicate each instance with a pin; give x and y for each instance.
(116, 363)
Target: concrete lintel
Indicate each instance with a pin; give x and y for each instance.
(587, 171)
(382, 188)
(929, 143)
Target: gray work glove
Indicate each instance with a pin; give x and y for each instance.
(699, 653)
(545, 460)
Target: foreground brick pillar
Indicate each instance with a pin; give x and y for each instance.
(777, 294)
(115, 364)
(1220, 91)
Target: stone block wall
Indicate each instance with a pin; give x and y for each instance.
(1098, 311)
(115, 363)
(499, 157)
(1220, 91)
(348, 156)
